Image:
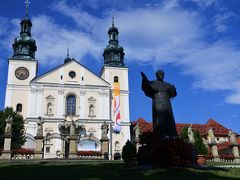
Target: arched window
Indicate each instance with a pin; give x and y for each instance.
(19, 107)
(115, 79)
(71, 105)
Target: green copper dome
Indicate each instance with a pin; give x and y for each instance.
(114, 53)
(24, 46)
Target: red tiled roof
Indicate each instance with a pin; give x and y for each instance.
(223, 146)
(218, 129)
(144, 125)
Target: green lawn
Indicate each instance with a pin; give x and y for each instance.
(109, 171)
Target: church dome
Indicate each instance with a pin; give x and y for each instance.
(24, 46)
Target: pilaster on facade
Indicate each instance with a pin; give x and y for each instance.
(82, 104)
(60, 103)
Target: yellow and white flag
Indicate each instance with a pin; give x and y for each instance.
(117, 116)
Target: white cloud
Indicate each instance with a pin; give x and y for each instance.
(219, 21)
(53, 41)
(215, 67)
(233, 98)
(204, 3)
(158, 35)
(170, 4)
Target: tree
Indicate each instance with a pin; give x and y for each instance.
(200, 148)
(184, 135)
(18, 138)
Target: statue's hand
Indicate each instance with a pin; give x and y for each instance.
(143, 75)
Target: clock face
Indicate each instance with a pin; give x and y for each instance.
(22, 73)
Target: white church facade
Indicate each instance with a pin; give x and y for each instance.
(70, 93)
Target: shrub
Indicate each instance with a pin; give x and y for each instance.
(184, 134)
(89, 153)
(23, 151)
(129, 152)
(199, 146)
(168, 152)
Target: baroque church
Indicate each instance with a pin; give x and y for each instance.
(70, 93)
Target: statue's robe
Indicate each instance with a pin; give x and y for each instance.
(162, 114)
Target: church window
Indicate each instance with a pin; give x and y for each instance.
(71, 105)
(72, 74)
(82, 78)
(19, 107)
(61, 77)
(47, 149)
(115, 79)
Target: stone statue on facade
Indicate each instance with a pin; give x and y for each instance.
(40, 126)
(191, 134)
(137, 131)
(232, 136)
(211, 136)
(91, 110)
(162, 114)
(50, 109)
(8, 127)
(104, 129)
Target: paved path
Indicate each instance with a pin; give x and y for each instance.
(58, 161)
(229, 166)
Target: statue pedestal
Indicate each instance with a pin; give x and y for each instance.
(235, 150)
(214, 151)
(104, 147)
(38, 153)
(6, 153)
(72, 147)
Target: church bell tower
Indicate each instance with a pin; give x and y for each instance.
(115, 72)
(22, 66)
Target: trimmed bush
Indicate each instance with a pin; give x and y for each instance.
(129, 152)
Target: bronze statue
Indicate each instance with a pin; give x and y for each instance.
(162, 114)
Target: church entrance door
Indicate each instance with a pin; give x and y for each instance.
(66, 149)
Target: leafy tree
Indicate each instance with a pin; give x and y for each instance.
(17, 128)
(200, 148)
(184, 134)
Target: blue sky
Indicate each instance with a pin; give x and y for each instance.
(196, 43)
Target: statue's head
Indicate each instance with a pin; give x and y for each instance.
(160, 75)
